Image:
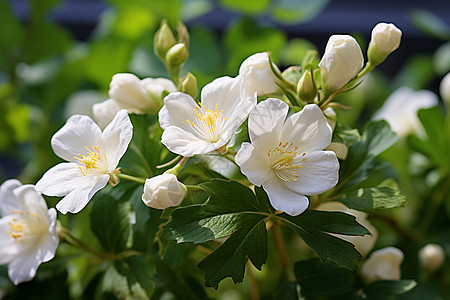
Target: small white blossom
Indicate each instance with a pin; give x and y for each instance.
(92, 157)
(444, 89)
(363, 244)
(258, 76)
(287, 158)
(431, 257)
(382, 264)
(27, 230)
(341, 62)
(191, 128)
(400, 110)
(385, 40)
(163, 191)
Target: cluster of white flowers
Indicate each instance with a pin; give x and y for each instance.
(285, 155)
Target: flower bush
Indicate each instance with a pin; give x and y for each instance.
(270, 175)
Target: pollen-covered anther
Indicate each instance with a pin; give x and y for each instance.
(207, 123)
(94, 160)
(284, 162)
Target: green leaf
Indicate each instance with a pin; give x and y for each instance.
(418, 73)
(312, 226)
(345, 134)
(294, 51)
(231, 209)
(368, 199)
(297, 11)
(384, 288)
(248, 6)
(110, 222)
(114, 283)
(138, 270)
(360, 162)
(431, 24)
(319, 280)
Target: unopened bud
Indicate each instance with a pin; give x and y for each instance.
(292, 74)
(183, 34)
(444, 89)
(385, 39)
(177, 55)
(189, 85)
(306, 87)
(431, 257)
(163, 40)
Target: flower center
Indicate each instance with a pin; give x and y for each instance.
(208, 123)
(24, 225)
(93, 162)
(285, 161)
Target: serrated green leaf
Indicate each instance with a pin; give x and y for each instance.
(384, 288)
(230, 258)
(117, 284)
(231, 206)
(368, 199)
(110, 222)
(360, 162)
(231, 209)
(318, 280)
(312, 226)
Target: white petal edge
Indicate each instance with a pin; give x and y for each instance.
(252, 165)
(185, 143)
(9, 249)
(7, 199)
(78, 132)
(77, 199)
(267, 116)
(178, 107)
(116, 138)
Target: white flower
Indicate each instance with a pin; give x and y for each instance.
(341, 62)
(431, 257)
(92, 157)
(258, 76)
(382, 264)
(105, 111)
(27, 230)
(286, 158)
(385, 40)
(444, 89)
(400, 110)
(363, 244)
(191, 128)
(139, 96)
(163, 191)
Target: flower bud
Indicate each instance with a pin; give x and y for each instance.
(177, 55)
(258, 75)
(431, 257)
(139, 96)
(382, 264)
(163, 191)
(444, 90)
(385, 40)
(189, 85)
(183, 34)
(340, 63)
(306, 88)
(163, 40)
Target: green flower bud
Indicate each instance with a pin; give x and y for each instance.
(183, 34)
(163, 40)
(177, 55)
(189, 85)
(306, 87)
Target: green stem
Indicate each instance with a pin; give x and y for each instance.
(131, 178)
(279, 244)
(77, 243)
(193, 187)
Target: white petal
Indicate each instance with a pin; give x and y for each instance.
(283, 198)
(185, 143)
(8, 201)
(116, 138)
(77, 199)
(78, 132)
(9, 249)
(105, 111)
(62, 179)
(23, 267)
(319, 173)
(31, 200)
(268, 116)
(308, 129)
(50, 243)
(178, 108)
(252, 165)
(224, 91)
